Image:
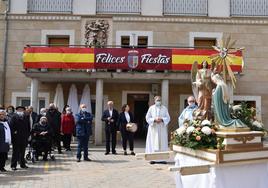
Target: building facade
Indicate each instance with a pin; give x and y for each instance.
(128, 23)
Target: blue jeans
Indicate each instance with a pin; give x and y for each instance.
(82, 145)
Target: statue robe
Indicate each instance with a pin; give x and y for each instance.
(157, 136)
(222, 111)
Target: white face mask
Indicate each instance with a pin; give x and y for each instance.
(157, 103)
(83, 109)
(20, 113)
(68, 112)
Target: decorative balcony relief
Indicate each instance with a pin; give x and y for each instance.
(96, 33)
(186, 7)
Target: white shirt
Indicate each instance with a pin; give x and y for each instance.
(127, 117)
(111, 112)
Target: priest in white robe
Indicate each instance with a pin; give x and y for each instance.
(158, 118)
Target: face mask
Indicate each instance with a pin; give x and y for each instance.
(68, 112)
(43, 114)
(158, 103)
(9, 111)
(20, 113)
(83, 109)
(191, 104)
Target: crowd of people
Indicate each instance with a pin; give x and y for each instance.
(22, 127)
(45, 131)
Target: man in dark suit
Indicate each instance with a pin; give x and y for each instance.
(54, 121)
(32, 116)
(110, 117)
(20, 132)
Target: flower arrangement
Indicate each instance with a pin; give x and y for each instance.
(248, 116)
(196, 135)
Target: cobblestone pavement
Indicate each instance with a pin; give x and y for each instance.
(103, 171)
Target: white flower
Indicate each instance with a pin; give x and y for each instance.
(237, 107)
(189, 130)
(257, 124)
(206, 130)
(180, 131)
(205, 122)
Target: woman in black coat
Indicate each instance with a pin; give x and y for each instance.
(126, 117)
(5, 140)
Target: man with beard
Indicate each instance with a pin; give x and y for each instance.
(54, 121)
(20, 131)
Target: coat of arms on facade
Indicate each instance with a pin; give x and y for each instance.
(96, 33)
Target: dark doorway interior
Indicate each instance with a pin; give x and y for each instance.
(139, 106)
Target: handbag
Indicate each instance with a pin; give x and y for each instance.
(132, 127)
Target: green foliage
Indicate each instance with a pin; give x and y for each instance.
(247, 115)
(196, 139)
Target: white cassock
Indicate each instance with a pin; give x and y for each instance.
(157, 136)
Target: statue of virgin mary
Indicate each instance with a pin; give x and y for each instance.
(220, 102)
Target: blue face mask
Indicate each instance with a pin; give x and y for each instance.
(157, 103)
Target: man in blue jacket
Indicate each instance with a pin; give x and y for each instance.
(83, 131)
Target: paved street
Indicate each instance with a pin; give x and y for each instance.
(104, 171)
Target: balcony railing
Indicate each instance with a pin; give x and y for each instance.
(249, 8)
(119, 6)
(61, 6)
(186, 7)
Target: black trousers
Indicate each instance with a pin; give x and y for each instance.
(67, 141)
(127, 136)
(18, 154)
(3, 158)
(57, 141)
(110, 131)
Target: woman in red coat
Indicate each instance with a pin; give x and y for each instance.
(67, 128)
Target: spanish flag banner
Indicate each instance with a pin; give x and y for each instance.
(121, 58)
(182, 59)
(58, 57)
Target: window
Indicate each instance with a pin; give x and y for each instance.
(134, 38)
(23, 99)
(57, 37)
(204, 38)
(142, 41)
(58, 40)
(26, 101)
(204, 42)
(125, 41)
(252, 101)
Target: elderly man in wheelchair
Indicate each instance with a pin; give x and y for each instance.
(42, 139)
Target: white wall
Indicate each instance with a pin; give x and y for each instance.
(18, 6)
(84, 7)
(219, 8)
(152, 7)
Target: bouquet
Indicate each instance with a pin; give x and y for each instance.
(196, 135)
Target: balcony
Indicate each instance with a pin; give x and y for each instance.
(48, 6)
(186, 7)
(249, 8)
(118, 6)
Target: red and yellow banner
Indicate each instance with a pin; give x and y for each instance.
(182, 59)
(58, 57)
(120, 58)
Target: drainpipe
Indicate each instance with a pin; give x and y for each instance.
(2, 99)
